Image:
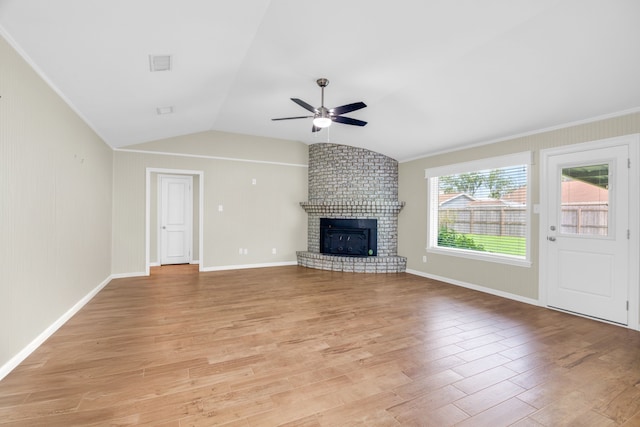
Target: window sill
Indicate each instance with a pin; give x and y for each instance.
(479, 256)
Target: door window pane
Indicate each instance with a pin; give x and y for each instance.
(585, 200)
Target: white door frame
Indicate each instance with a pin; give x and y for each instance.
(198, 173)
(633, 141)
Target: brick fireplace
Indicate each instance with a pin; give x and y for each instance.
(353, 183)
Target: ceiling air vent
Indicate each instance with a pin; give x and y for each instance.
(164, 110)
(160, 62)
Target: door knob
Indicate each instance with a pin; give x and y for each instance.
(551, 239)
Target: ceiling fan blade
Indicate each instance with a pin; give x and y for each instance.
(344, 109)
(348, 121)
(304, 105)
(315, 128)
(291, 118)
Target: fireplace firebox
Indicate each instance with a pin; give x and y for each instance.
(349, 237)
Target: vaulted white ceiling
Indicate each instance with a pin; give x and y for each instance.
(436, 74)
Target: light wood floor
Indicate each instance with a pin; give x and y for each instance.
(302, 347)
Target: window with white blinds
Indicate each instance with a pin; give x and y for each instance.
(481, 209)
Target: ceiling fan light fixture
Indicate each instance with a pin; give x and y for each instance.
(322, 122)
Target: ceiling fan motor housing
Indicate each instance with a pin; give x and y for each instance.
(323, 112)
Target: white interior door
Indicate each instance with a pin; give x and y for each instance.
(176, 204)
(587, 236)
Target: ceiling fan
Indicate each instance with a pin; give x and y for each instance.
(323, 116)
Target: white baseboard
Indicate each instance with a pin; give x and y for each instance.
(512, 297)
(243, 266)
(477, 287)
(37, 342)
(125, 275)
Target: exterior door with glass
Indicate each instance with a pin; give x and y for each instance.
(587, 236)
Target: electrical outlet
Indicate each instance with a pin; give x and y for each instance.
(424, 258)
(240, 251)
(274, 251)
(246, 251)
(254, 181)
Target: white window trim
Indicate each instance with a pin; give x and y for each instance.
(523, 158)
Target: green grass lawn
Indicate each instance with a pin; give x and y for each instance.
(501, 244)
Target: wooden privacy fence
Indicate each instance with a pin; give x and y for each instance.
(511, 221)
(495, 221)
(585, 219)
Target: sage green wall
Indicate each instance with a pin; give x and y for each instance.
(412, 222)
(55, 206)
(256, 217)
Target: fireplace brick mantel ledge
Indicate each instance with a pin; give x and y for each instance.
(354, 207)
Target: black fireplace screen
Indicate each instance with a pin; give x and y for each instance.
(350, 237)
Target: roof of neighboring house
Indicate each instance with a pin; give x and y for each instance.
(519, 196)
(483, 202)
(574, 192)
(492, 203)
(448, 197)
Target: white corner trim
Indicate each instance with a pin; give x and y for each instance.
(37, 342)
(477, 288)
(34, 66)
(525, 134)
(244, 266)
(202, 156)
